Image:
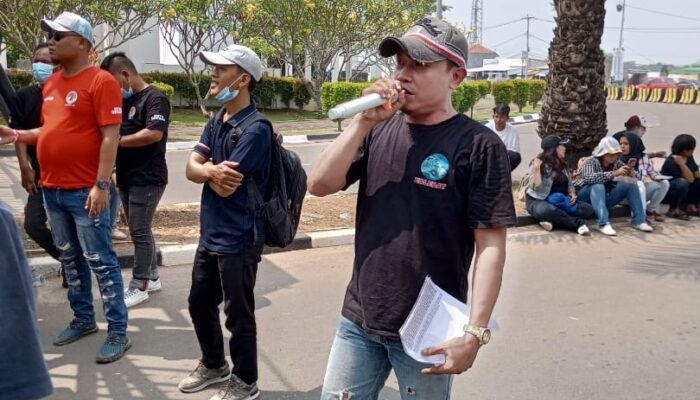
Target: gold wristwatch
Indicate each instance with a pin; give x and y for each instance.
(482, 335)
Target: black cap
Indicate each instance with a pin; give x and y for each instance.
(550, 141)
(429, 40)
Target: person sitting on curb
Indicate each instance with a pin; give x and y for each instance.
(598, 182)
(652, 185)
(635, 125)
(507, 133)
(551, 180)
(685, 178)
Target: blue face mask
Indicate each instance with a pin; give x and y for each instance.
(127, 93)
(41, 71)
(226, 94)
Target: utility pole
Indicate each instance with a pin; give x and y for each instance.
(439, 9)
(619, 52)
(526, 54)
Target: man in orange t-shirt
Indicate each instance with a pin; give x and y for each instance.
(76, 148)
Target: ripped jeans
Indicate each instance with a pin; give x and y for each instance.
(85, 245)
(360, 363)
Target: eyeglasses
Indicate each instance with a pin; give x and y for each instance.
(57, 36)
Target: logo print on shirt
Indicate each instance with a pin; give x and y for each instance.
(132, 112)
(435, 167)
(71, 98)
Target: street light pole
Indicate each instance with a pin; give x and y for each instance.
(622, 24)
(439, 9)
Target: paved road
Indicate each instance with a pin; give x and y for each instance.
(671, 119)
(581, 318)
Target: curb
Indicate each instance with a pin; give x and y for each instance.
(322, 137)
(184, 254)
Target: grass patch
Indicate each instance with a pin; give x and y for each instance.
(190, 117)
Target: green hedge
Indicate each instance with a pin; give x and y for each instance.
(484, 88)
(466, 96)
(521, 93)
(335, 93)
(167, 90)
(537, 90)
(503, 92)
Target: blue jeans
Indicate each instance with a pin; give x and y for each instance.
(85, 244)
(360, 363)
(603, 201)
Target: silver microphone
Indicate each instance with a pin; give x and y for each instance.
(352, 107)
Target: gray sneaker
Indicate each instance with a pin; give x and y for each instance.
(202, 377)
(236, 389)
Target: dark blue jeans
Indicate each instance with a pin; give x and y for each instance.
(682, 192)
(542, 210)
(86, 244)
(602, 200)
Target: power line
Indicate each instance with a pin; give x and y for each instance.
(540, 39)
(509, 40)
(504, 24)
(664, 13)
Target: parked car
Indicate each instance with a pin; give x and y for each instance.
(685, 83)
(660, 83)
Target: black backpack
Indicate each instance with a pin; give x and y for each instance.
(281, 205)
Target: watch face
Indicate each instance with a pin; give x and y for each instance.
(486, 336)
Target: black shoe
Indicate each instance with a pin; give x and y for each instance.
(679, 214)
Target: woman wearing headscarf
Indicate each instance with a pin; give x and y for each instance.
(653, 186)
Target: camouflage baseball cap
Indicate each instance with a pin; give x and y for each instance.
(429, 40)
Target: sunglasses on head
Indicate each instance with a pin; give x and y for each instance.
(57, 36)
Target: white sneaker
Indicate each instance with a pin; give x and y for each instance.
(154, 285)
(607, 229)
(133, 296)
(547, 226)
(583, 230)
(644, 227)
(118, 235)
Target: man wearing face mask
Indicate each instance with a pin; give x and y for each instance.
(142, 172)
(27, 115)
(229, 156)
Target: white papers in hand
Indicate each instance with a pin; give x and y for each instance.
(435, 318)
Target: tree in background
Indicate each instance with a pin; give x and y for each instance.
(192, 26)
(664, 71)
(574, 103)
(312, 32)
(123, 20)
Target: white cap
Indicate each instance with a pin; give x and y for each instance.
(235, 55)
(607, 145)
(69, 22)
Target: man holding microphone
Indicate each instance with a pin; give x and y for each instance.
(435, 191)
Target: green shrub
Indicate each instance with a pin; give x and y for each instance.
(466, 96)
(537, 90)
(167, 90)
(19, 78)
(503, 92)
(285, 88)
(334, 93)
(264, 93)
(302, 96)
(484, 88)
(180, 83)
(521, 93)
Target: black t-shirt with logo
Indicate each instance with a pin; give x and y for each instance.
(27, 115)
(423, 191)
(144, 166)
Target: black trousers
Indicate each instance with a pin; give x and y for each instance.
(514, 159)
(227, 278)
(36, 223)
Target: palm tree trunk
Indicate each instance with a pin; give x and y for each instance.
(574, 104)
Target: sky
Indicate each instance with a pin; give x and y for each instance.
(666, 31)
